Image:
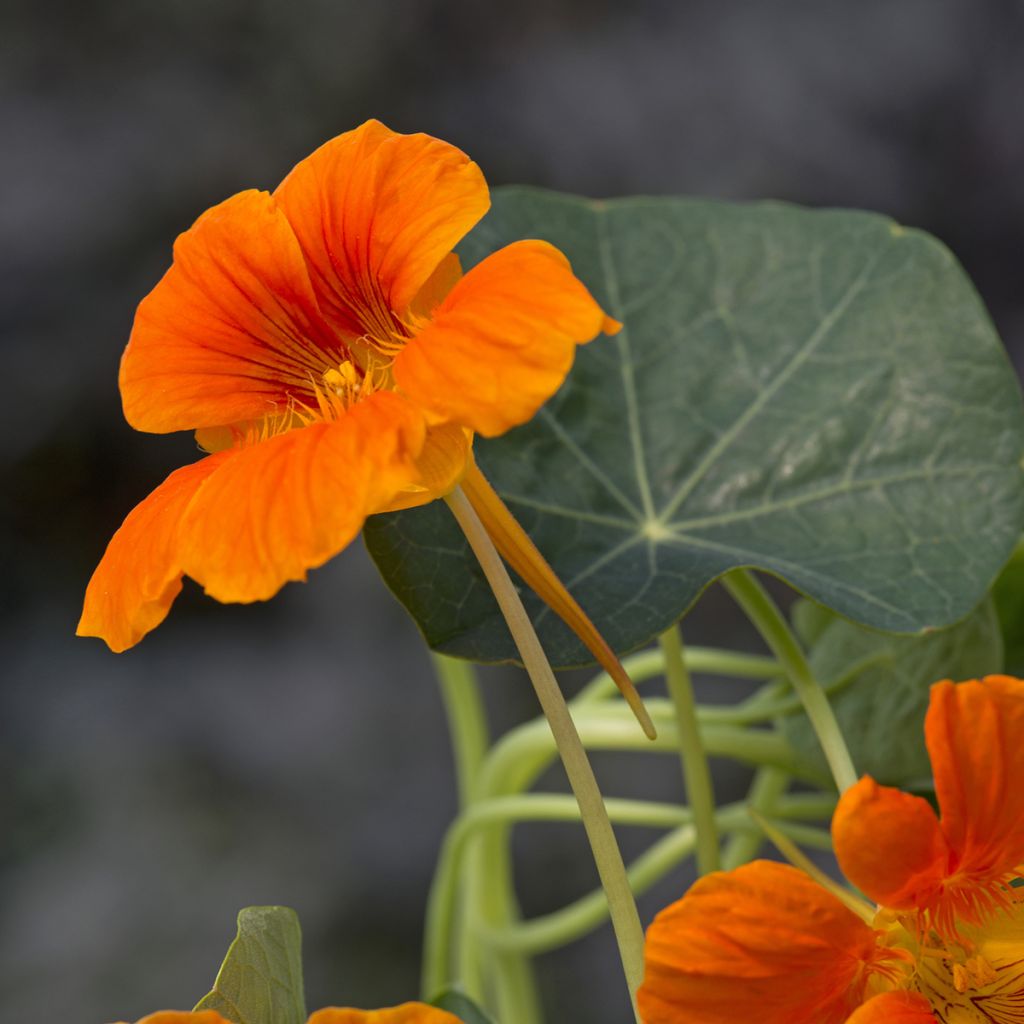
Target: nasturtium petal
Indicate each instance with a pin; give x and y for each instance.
(764, 941)
(889, 844)
(375, 213)
(287, 504)
(817, 393)
(230, 328)
(502, 341)
(973, 730)
(139, 576)
(894, 1008)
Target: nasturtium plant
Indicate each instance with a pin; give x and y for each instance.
(879, 685)
(260, 981)
(817, 393)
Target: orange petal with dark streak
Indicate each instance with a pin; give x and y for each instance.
(502, 342)
(231, 330)
(762, 943)
(975, 736)
(375, 213)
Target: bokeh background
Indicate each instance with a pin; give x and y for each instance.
(296, 752)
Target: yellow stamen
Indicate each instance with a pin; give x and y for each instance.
(520, 552)
(343, 379)
(980, 972)
(960, 980)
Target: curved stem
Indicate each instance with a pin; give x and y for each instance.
(772, 625)
(506, 810)
(520, 756)
(709, 660)
(467, 724)
(608, 859)
(696, 775)
(583, 915)
(573, 921)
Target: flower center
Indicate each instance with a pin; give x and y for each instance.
(979, 985)
(341, 386)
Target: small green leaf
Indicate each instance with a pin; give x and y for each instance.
(260, 981)
(1008, 594)
(816, 393)
(459, 1004)
(886, 680)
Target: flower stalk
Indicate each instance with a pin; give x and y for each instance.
(762, 611)
(696, 775)
(607, 857)
(516, 547)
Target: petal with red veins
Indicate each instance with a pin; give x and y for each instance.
(764, 943)
(375, 213)
(232, 331)
(974, 735)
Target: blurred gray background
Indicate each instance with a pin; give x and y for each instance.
(296, 752)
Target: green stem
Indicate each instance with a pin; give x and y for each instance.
(466, 721)
(770, 702)
(772, 625)
(607, 858)
(505, 810)
(550, 931)
(520, 756)
(708, 660)
(491, 896)
(766, 790)
(467, 725)
(573, 921)
(696, 775)
(588, 912)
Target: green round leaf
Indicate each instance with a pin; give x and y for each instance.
(260, 981)
(885, 686)
(819, 394)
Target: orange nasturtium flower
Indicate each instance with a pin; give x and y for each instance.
(946, 941)
(334, 362)
(407, 1013)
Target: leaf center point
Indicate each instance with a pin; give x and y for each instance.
(655, 530)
